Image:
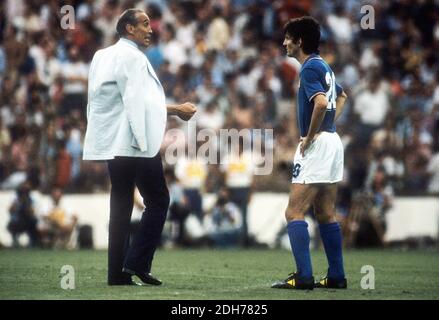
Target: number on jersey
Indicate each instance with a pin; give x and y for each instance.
(331, 94)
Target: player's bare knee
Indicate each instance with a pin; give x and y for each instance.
(324, 218)
(292, 214)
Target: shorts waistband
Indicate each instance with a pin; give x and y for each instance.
(323, 131)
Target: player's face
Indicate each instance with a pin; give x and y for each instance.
(291, 47)
(142, 31)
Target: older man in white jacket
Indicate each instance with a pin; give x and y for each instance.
(126, 116)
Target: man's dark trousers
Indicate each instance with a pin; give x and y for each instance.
(147, 175)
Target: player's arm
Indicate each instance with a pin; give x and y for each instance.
(318, 114)
(340, 103)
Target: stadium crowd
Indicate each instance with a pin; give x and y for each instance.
(226, 56)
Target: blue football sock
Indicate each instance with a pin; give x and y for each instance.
(332, 241)
(299, 239)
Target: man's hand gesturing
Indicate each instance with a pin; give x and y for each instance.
(186, 110)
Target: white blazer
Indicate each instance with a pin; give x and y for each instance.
(126, 110)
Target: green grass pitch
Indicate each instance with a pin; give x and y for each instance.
(217, 274)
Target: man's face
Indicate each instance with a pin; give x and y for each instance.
(291, 46)
(56, 195)
(141, 32)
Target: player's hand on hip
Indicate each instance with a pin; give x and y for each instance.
(304, 144)
(186, 111)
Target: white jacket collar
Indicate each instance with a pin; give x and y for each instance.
(128, 42)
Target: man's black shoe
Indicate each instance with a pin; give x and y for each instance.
(294, 282)
(147, 278)
(330, 283)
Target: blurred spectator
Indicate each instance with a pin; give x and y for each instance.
(63, 166)
(191, 171)
(23, 218)
(382, 193)
(342, 28)
(210, 117)
(15, 50)
(47, 156)
(365, 225)
(75, 74)
(218, 31)
(223, 223)
(74, 150)
(238, 170)
(178, 209)
(58, 223)
(418, 143)
(19, 157)
(173, 51)
(369, 59)
(369, 223)
(386, 137)
(106, 21)
(372, 106)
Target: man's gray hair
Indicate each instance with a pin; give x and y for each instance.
(127, 17)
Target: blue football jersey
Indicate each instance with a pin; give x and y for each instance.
(316, 77)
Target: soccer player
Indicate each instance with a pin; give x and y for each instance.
(318, 162)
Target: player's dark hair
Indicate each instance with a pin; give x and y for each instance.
(127, 17)
(306, 28)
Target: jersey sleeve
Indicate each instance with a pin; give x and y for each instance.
(311, 83)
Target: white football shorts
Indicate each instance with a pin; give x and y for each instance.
(323, 160)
